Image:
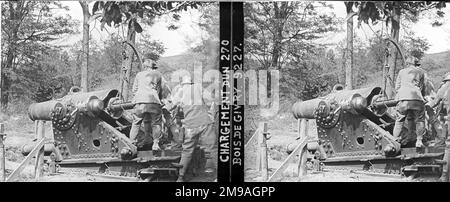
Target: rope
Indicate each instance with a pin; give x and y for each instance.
(140, 64)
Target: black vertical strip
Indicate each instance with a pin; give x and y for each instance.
(224, 137)
(237, 54)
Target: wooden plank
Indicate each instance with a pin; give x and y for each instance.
(39, 161)
(2, 153)
(300, 147)
(303, 128)
(263, 152)
(251, 151)
(303, 151)
(30, 156)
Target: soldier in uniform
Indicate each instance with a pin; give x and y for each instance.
(148, 93)
(198, 126)
(411, 89)
(442, 101)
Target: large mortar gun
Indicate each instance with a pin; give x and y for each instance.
(351, 122)
(87, 125)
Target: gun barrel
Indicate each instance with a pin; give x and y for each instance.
(42, 111)
(121, 106)
(305, 109)
(384, 103)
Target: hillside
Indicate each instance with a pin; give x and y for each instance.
(167, 65)
(172, 63)
(442, 58)
(436, 65)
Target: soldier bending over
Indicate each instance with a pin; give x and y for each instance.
(198, 126)
(442, 100)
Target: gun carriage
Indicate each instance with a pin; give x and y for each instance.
(354, 131)
(91, 131)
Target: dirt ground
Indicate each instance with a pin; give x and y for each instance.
(20, 131)
(277, 144)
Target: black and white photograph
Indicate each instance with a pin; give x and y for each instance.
(107, 91)
(347, 91)
(224, 92)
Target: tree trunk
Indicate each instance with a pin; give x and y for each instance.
(15, 11)
(278, 35)
(127, 63)
(85, 48)
(395, 29)
(349, 56)
(1, 71)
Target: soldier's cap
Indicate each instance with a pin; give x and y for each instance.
(149, 63)
(186, 80)
(447, 77)
(412, 60)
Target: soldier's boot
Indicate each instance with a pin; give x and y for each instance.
(392, 148)
(419, 143)
(180, 178)
(445, 167)
(177, 165)
(210, 170)
(420, 130)
(440, 134)
(128, 153)
(156, 137)
(444, 177)
(155, 146)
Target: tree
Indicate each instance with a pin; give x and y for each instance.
(84, 67)
(391, 13)
(415, 46)
(349, 53)
(283, 36)
(278, 32)
(51, 76)
(27, 29)
(207, 51)
(369, 56)
(311, 76)
(115, 13)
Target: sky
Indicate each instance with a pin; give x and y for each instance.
(178, 41)
(175, 41)
(438, 37)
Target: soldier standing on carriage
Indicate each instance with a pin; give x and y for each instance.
(411, 90)
(148, 92)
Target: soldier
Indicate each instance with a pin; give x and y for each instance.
(148, 93)
(170, 118)
(411, 89)
(442, 100)
(198, 126)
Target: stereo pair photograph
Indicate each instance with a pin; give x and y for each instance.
(141, 91)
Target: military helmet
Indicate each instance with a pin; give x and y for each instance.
(447, 77)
